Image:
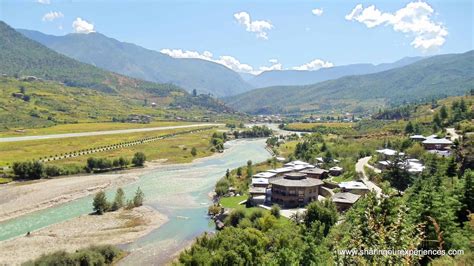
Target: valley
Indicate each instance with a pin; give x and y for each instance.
(202, 133)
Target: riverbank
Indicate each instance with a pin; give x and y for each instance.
(112, 228)
(20, 198)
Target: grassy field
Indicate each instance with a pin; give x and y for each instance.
(85, 127)
(176, 149)
(232, 202)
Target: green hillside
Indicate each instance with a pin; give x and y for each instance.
(135, 61)
(434, 77)
(40, 87)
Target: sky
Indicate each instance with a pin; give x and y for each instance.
(251, 36)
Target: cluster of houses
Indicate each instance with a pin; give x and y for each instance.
(388, 157)
(433, 144)
(298, 183)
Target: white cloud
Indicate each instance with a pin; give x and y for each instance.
(317, 11)
(50, 16)
(234, 64)
(314, 65)
(44, 2)
(415, 19)
(226, 60)
(260, 27)
(81, 26)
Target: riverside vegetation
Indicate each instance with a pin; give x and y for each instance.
(429, 211)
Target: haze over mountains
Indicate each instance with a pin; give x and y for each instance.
(437, 76)
(306, 77)
(138, 62)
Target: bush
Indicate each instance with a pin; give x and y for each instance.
(119, 200)
(28, 170)
(235, 217)
(100, 203)
(139, 159)
(94, 255)
(193, 151)
(275, 211)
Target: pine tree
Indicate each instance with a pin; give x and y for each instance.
(138, 198)
(119, 200)
(409, 128)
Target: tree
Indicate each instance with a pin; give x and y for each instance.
(193, 151)
(139, 159)
(452, 168)
(443, 113)
(100, 204)
(138, 198)
(436, 121)
(91, 164)
(227, 173)
(194, 92)
(119, 200)
(325, 212)
(409, 128)
(239, 171)
(249, 168)
(123, 162)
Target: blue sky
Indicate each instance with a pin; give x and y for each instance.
(249, 35)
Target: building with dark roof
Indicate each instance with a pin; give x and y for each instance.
(344, 200)
(294, 189)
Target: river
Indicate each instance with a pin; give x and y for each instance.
(178, 191)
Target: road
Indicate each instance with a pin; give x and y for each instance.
(452, 134)
(360, 169)
(99, 133)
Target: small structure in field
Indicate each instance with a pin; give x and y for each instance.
(316, 173)
(336, 171)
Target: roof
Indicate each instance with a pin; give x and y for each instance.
(257, 190)
(296, 180)
(264, 175)
(417, 137)
(260, 181)
(335, 168)
(437, 141)
(353, 185)
(281, 170)
(317, 171)
(345, 197)
(389, 152)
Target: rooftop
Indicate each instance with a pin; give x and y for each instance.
(353, 185)
(264, 175)
(257, 190)
(296, 180)
(389, 152)
(281, 170)
(317, 171)
(345, 197)
(260, 181)
(437, 141)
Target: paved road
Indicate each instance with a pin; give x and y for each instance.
(360, 169)
(98, 133)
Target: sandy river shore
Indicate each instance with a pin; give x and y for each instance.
(113, 228)
(20, 198)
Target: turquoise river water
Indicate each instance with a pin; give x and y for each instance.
(179, 191)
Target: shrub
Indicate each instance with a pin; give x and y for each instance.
(275, 211)
(138, 198)
(139, 159)
(100, 203)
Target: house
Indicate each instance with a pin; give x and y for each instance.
(281, 171)
(344, 200)
(336, 171)
(389, 153)
(316, 173)
(294, 189)
(355, 187)
(437, 144)
(258, 195)
(264, 175)
(417, 138)
(260, 182)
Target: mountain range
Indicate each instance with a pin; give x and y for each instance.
(433, 77)
(306, 77)
(135, 61)
(30, 63)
